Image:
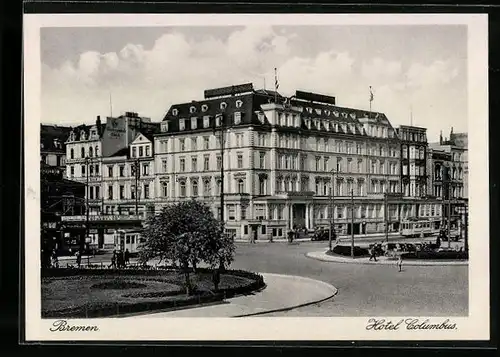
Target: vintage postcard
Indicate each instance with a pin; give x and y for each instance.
(256, 177)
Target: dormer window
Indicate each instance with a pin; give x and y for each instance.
(223, 105)
(204, 108)
(164, 126)
(239, 103)
(344, 115)
(318, 111)
(261, 117)
(336, 113)
(192, 109)
(353, 116)
(327, 112)
(194, 123)
(175, 112)
(82, 135)
(237, 118)
(206, 121)
(218, 120)
(93, 133)
(72, 136)
(182, 124)
(309, 110)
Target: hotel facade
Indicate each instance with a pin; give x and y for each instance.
(299, 162)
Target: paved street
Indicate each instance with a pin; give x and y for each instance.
(362, 289)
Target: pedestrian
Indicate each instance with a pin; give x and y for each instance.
(373, 254)
(400, 262)
(113, 260)
(126, 256)
(78, 258)
(55, 260)
(216, 278)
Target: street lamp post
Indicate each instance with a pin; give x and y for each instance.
(87, 218)
(332, 211)
(137, 173)
(386, 220)
(352, 224)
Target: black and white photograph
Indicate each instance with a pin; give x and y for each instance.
(282, 177)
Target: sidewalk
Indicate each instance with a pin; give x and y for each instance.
(283, 292)
(322, 256)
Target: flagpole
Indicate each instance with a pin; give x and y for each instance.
(110, 105)
(276, 85)
(371, 100)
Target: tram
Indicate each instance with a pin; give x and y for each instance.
(128, 240)
(419, 227)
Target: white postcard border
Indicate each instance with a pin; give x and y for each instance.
(473, 327)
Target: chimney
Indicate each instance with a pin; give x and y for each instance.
(98, 124)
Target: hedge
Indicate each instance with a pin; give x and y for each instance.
(106, 309)
(451, 255)
(346, 251)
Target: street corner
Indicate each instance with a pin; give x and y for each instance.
(324, 257)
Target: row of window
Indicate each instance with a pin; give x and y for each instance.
(413, 152)
(83, 135)
(122, 170)
(124, 194)
(141, 150)
(90, 152)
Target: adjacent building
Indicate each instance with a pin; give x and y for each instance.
(52, 146)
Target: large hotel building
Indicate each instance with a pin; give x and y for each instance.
(277, 155)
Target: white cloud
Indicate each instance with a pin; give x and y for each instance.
(178, 69)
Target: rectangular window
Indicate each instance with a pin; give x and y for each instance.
(122, 171)
(182, 164)
(97, 169)
(219, 162)
(231, 212)
(206, 162)
(141, 151)
(194, 123)
(164, 165)
(134, 151)
(83, 170)
(318, 159)
(206, 121)
(240, 161)
(325, 164)
(147, 150)
(245, 229)
(72, 170)
(182, 144)
(194, 163)
(182, 124)
(110, 192)
(97, 192)
(262, 160)
(146, 190)
(122, 192)
(145, 169)
(206, 143)
(194, 143)
(237, 118)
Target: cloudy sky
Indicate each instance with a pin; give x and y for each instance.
(413, 69)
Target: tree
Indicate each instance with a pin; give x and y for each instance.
(186, 233)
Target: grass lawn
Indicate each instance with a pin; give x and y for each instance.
(83, 294)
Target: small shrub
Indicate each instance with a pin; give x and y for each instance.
(345, 250)
(449, 255)
(118, 284)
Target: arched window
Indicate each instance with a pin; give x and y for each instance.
(72, 153)
(241, 186)
(192, 109)
(218, 186)
(239, 103)
(82, 152)
(97, 151)
(223, 105)
(165, 188)
(182, 186)
(175, 111)
(91, 151)
(195, 188)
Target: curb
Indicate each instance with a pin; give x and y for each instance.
(333, 288)
(322, 256)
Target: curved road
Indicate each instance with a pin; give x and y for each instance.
(363, 290)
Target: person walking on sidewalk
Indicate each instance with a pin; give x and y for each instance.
(78, 258)
(373, 254)
(400, 262)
